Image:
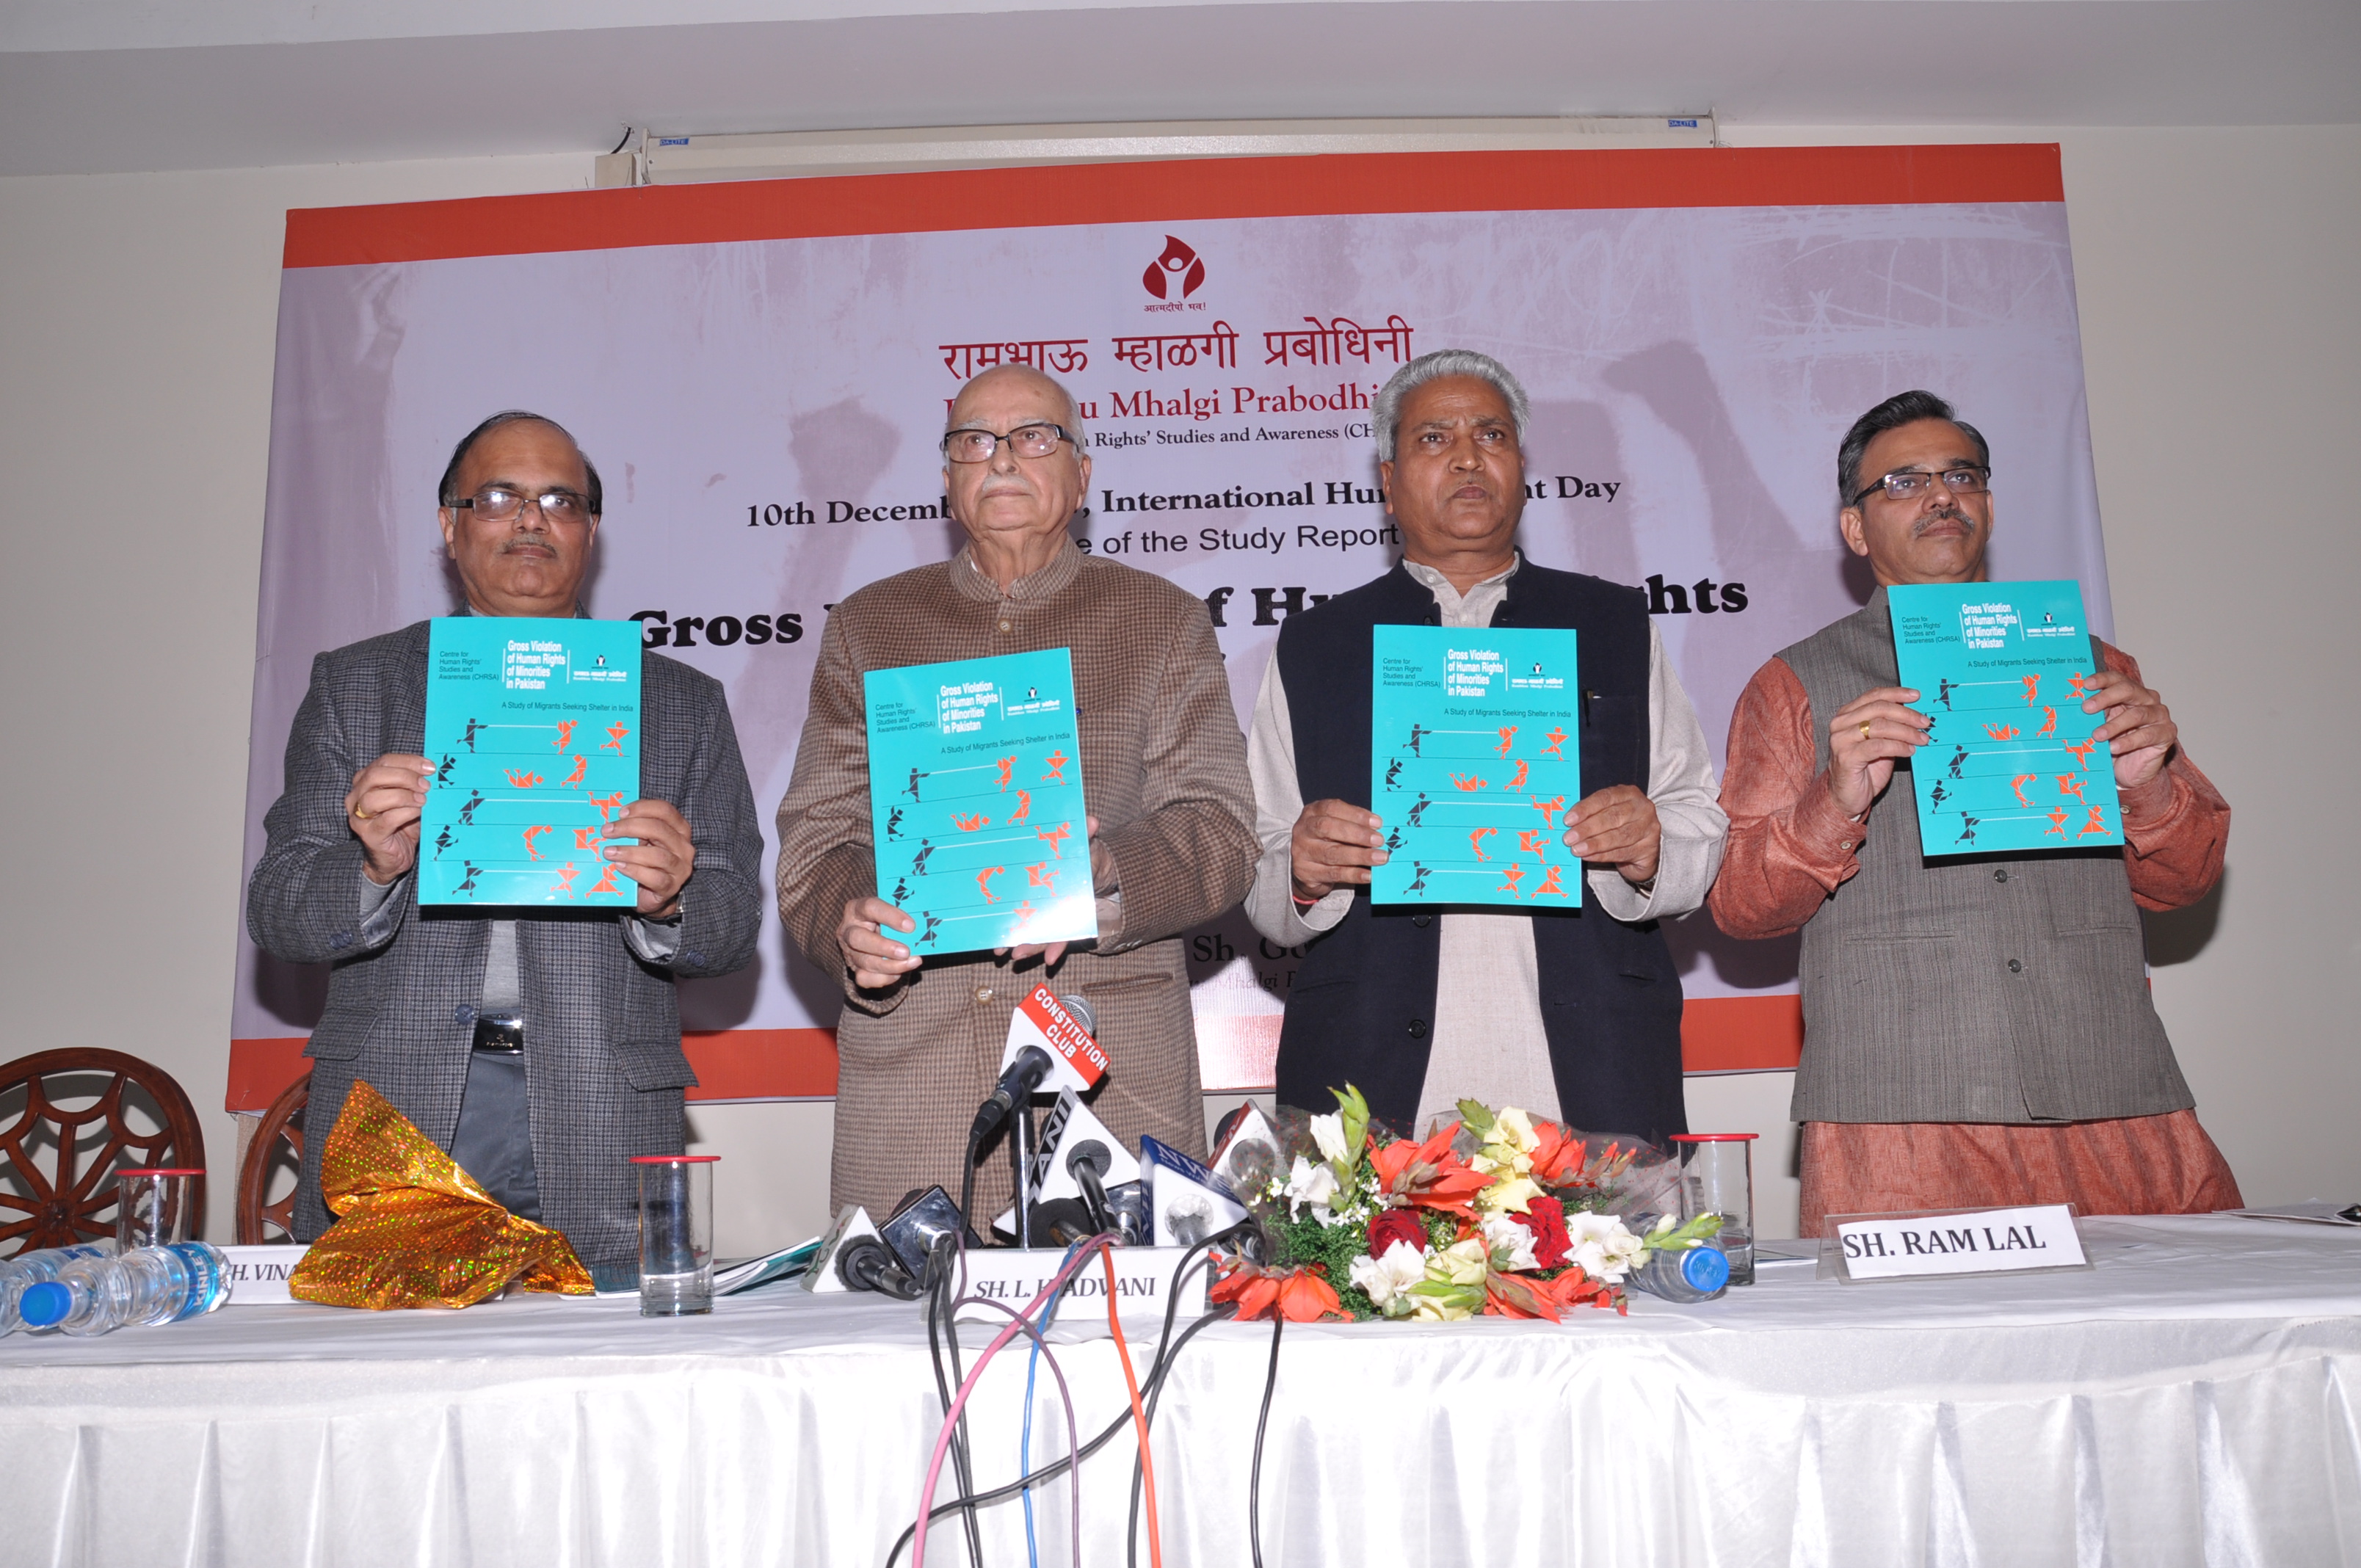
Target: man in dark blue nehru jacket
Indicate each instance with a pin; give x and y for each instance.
(1575, 1014)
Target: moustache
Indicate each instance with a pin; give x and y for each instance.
(518, 543)
(1947, 514)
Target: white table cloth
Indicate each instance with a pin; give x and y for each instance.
(2192, 1399)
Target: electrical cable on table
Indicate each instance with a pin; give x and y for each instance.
(967, 1387)
(1167, 1352)
(939, 1287)
(1254, 1475)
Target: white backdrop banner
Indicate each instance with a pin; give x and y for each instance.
(761, 373)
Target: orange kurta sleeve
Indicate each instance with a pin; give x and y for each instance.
(2176, 826)
(1790, 845)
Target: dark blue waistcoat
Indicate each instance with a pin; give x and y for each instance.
(1362, 1007)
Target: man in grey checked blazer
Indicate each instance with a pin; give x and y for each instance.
(600, 1075)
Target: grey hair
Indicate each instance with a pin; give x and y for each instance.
(1904, 408)
(1073, 422)
(1384, 414)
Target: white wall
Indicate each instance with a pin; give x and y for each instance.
(2219, 273)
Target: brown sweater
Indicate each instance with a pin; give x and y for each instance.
(1164, 771)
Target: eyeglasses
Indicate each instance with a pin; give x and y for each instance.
(498, 503)
(1026, 441)
(1909, 484)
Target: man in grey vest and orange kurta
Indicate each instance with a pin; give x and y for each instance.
(1977, 1030)
(1574, 1015)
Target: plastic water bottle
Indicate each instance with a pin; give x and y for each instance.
(1697, 1273)
(29, 1268)
(145, 1286)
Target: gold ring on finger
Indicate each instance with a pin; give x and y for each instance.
(1865, 728)
(360, 815)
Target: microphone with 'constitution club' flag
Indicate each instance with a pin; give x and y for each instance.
(1049, 1047)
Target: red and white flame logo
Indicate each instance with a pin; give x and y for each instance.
(1177, 261)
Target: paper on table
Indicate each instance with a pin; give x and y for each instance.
(1474, 758)
(2002, 670)
(975, 795)
(534, 727)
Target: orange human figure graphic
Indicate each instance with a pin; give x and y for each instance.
(2084, 685)
(566, 875)
(2048, 722)
(1556, 748)
(614, 741)
(2032, 688)
(2098, 824)
(2056, 828)
(1513, 881)
(1023, 811)
(1550, 808)
(1508, 738)
(522, 780)
(606, 883)
(1549, 886)
(1023, 913)
(608, 803)
(984, 882)
(1006, 766)
(585, 837)
(1057, 760)
(1475, 841)
(2082, 755)
(1533, 841)
(581, 768)
(565, 731)
(2001, 731)
(1467, 781)
(532, 852)
(1523, 767)
(1040, 875)
(1054, 838)
(2071, 784)
(970, 824)
(2018, 784)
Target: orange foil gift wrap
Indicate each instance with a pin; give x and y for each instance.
(412, 1229)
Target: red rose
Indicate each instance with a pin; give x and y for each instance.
(1388, 1226)
(1547, 1225)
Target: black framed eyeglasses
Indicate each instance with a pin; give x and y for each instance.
(1037, 440)
(1909, 484)
(498, 503)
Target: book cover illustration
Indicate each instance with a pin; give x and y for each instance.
(534, 728)
(2003, 669)
(975, 797)
(1474, 760)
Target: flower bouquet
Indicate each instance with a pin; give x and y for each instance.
(1493, 1214)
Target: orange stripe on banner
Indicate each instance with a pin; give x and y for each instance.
(1745, 1034)
(1175, 191)
(731, 1064)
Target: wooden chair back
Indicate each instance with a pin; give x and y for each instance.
(57, 1188)
(277, 1138)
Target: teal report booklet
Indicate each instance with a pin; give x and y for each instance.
(1474, 759)
(975, 797)
(2003, 669)
(534, 728)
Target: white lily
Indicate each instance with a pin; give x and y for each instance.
(1509, 1195)
(1605, 1249)
(1461, 1263)
(1383, 1279)
(1328, 1132)
(1310, 1184)
(1502, 1232)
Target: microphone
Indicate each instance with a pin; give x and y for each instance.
(1049, 1045)
(1017, 1082)
(1088, 1164)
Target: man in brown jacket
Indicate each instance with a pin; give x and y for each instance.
(1172, 840)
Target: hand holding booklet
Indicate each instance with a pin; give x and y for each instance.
(975, 796)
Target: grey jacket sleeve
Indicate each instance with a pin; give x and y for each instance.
(721, 907)
(304, 904)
